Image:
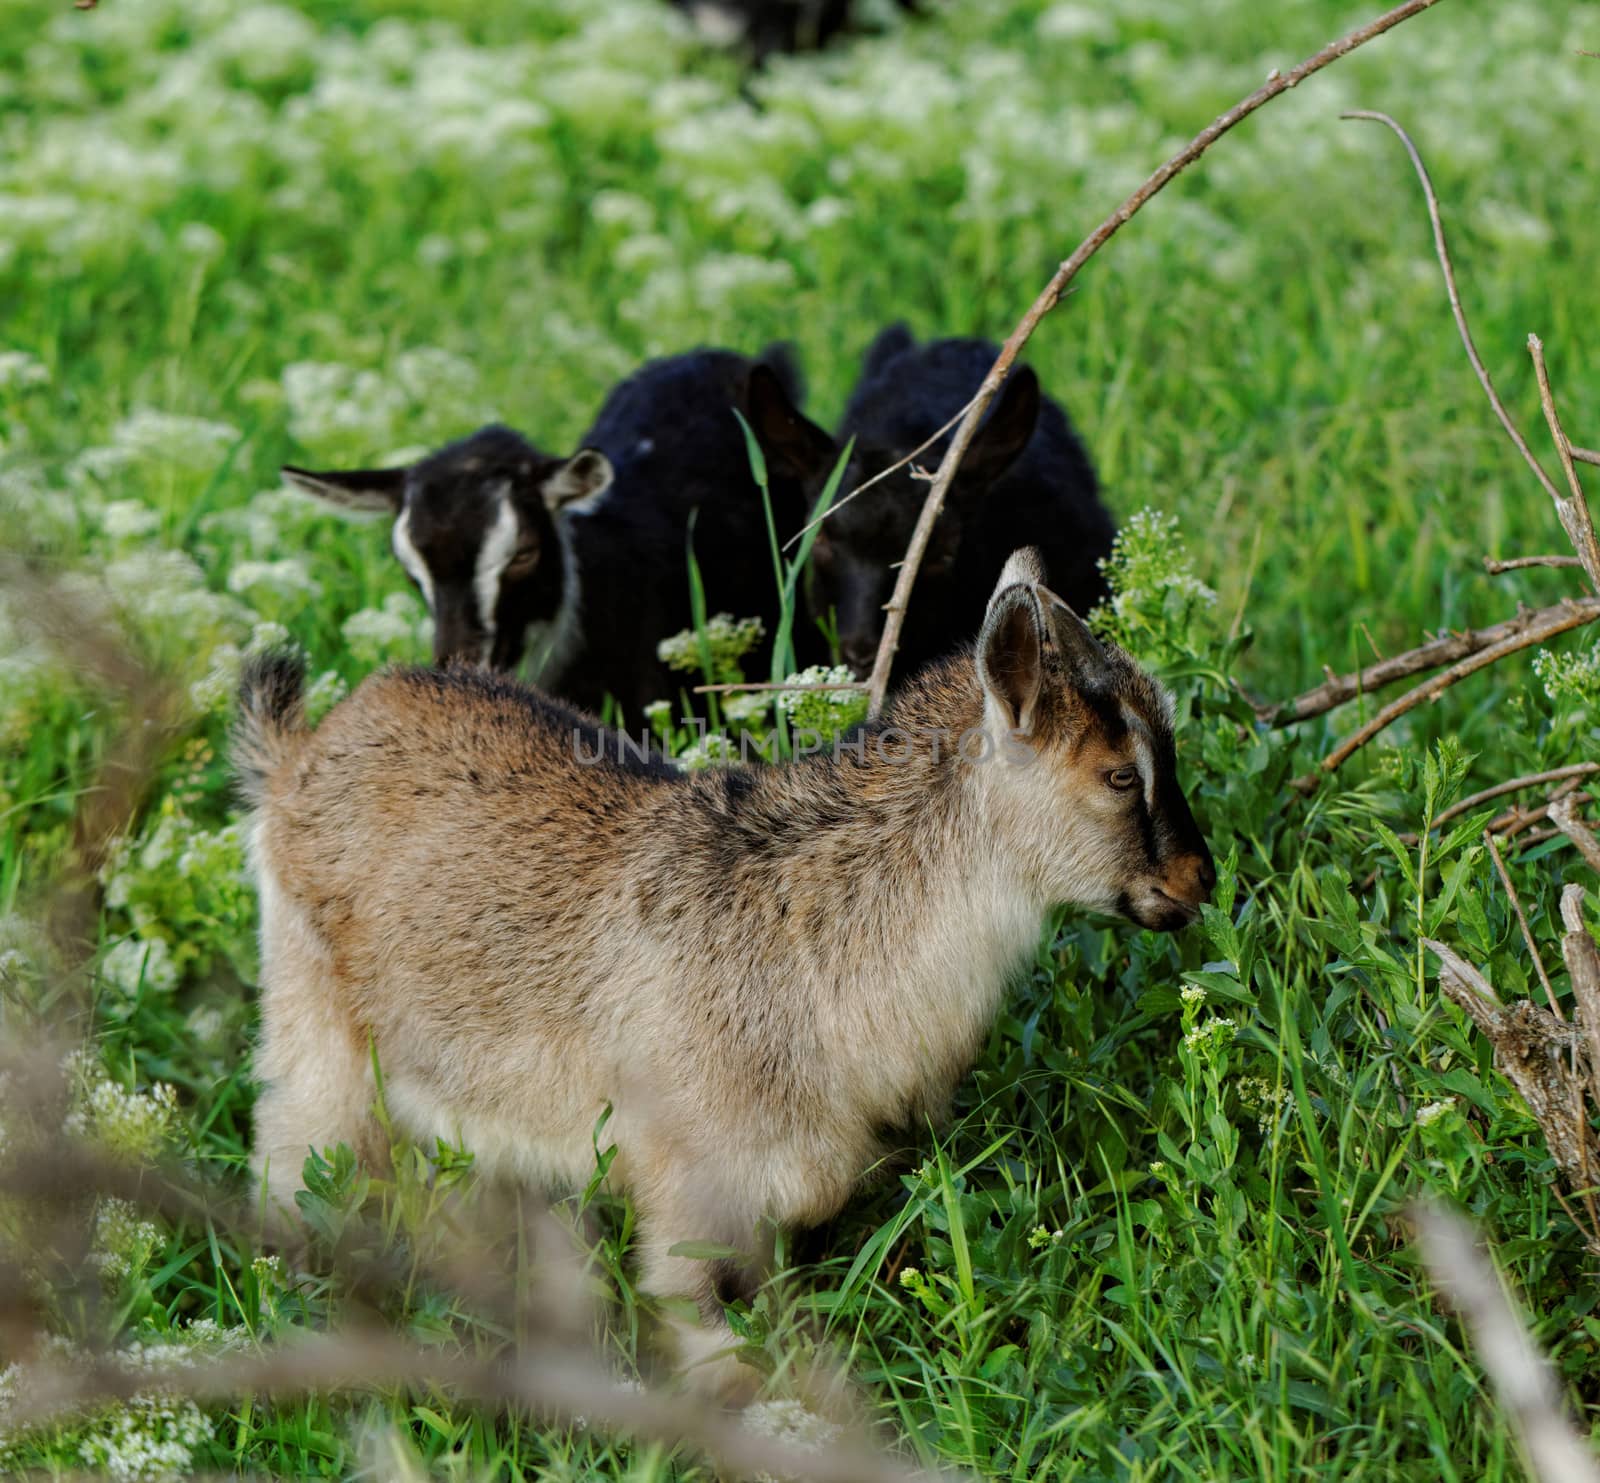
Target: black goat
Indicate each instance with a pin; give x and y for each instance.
(761, 27)
(1025, 481)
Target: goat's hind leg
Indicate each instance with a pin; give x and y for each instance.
(314, 1064)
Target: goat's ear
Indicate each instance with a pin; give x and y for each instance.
(1022, 565)
(889, 344)
(358, 491)
(1000, 441)
(1085, 658)
(1011, 655)
(587, 472)
(785, 433)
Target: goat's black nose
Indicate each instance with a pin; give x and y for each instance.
(859, 653)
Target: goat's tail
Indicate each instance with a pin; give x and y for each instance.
(271, 725)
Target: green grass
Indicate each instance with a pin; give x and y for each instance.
(551, 194)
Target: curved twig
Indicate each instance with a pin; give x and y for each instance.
(1337, 689)
(1443, 251)
(1574, 509)
(1495, 567)
(1050, 296)
(1570, 612)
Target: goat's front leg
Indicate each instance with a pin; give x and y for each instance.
(706, 1348)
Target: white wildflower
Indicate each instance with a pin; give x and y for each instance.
(1192, 994)
(391, 631)
(1433, 1112)
(19, 370)
(200, 240)
(287, 577)
(129, 520)
(790, 1423)
(133, 965)
(123, 1240)
(1215, 1033)
(130, 1124)
(191, 444)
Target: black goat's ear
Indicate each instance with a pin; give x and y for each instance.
(887, 345)
(355, 491)
(786, 434)
(587, 472)
(1000, 441)
(1011, 655)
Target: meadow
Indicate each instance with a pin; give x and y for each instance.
(1164, 1238)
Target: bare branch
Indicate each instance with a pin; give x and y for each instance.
(1574, 509)
(1443, 252)
(1535, 1052)
(1050, 296)
(1584, 455)
(1565, 816)
(1582, 958)
(1495, 568)
(1338, 689)
(1516, 785)
(771, 685)
(1523, 1382)
(1522, 921)
(1568, 613)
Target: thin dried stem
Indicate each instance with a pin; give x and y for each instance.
(771, 685)
(1522, 921)
(1523, 1381)
(1446, 648)
(1050, 296)
(1516, 785)
(878, 478)
(1574, 509)
(1584, 455)
(1442, 249)
(1517, 563)
(1564, 814)
(1568, 613)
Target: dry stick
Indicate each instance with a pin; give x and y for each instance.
(1515, 785)
(1582, 958)
(549, 1378)
(1527, 935)
(1570, 612)
(1523, 1382)
(1564, 814)
(1574, 509)
(769, 685)
(1584, 455)
(1443, 253)
(1050, 296)
(1337, 689)
(1516, 563)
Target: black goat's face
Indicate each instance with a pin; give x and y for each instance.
(475, 531)
(859, 547)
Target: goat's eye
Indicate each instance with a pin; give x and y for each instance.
(1122, 777)
(523, 562)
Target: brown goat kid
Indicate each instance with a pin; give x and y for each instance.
(761, 971)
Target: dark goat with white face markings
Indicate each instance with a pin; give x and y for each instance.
(1025, 481)
(475, 530)
(588, 556)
